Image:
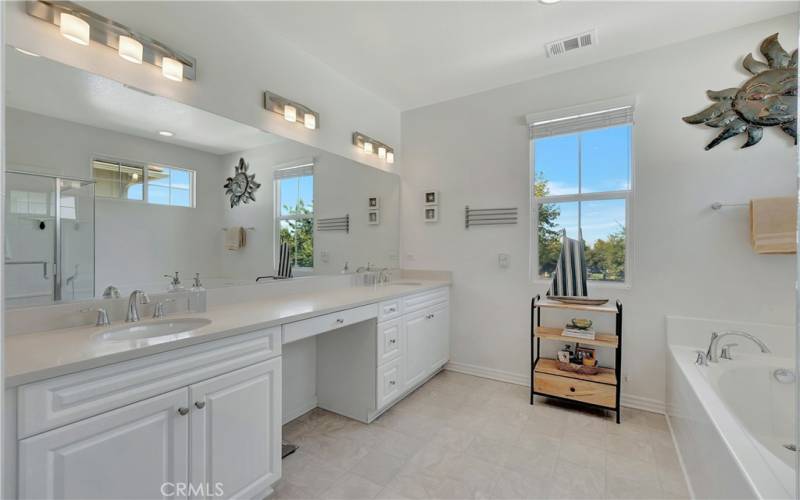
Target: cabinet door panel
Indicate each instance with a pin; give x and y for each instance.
(126, 453)
(236, 431)
(440, 331)
(417, 338)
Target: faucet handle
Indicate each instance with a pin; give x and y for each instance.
(702, 359)
(158, 311)
(726, 351)
(103, 319)
(144, 298)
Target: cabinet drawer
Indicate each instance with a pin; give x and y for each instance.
(389, 341)
(422, 300)
(390, 309)
(62, 400)
(313, 326)
(390, 382)
(578, 390)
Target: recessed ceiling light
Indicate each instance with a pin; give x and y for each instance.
(27, 52)
(166, 133)
(549, 2)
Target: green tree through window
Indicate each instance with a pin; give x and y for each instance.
(299, 233)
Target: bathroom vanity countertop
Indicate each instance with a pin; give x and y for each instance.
(30, 357)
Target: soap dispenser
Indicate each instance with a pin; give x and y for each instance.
(197, 296)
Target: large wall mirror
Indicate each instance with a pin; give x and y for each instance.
(109, 185)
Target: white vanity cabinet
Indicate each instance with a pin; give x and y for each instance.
(199, 422)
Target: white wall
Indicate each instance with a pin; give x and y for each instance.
(237, 59)
(341, 187)
(133, 239)
(688, 260)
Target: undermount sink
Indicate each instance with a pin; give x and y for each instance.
(155, 329)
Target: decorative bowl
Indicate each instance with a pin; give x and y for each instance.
(582, 323)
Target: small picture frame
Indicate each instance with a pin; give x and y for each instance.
(431, 198)
(374, 217)
(374, 203)
(431, 213)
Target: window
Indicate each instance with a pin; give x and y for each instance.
(581, 184)
(294, 209)
(154, 184)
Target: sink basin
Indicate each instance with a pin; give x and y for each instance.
(407, 283)
(155, 329)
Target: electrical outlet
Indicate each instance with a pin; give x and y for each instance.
(325, 256)
(503, 260)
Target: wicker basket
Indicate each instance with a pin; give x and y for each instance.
(576, 368)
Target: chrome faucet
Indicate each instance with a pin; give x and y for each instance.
(137, 297)
(713, 351)
(158, 310)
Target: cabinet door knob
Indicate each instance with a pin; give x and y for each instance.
(183, 411)
(392, 382)
(339, 320)
(392, 309)
(393, 341)
(200, 404)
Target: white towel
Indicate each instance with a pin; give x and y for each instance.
(235, 238)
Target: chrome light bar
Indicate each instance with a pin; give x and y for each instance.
(290, 110)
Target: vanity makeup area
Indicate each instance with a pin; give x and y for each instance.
(110, 186)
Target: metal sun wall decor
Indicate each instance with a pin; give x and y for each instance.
(242, 185)
(767, 99)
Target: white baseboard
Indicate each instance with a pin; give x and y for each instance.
(302, 409)
(628, 400)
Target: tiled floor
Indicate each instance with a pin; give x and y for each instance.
(466, 437)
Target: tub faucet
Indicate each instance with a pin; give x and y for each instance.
(713, 350)
(137, 297)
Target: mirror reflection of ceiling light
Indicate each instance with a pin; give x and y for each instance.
(131, 50)
(291, 111)
(549, 2)
(166, 133)
(373, 146)
(27, 52)
(74, 29)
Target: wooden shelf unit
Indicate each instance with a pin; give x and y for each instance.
(601, 390)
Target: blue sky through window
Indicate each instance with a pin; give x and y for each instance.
(294, 189)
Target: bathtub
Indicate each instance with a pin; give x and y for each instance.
(731, 421)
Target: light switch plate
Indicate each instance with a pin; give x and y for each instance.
(503, 260)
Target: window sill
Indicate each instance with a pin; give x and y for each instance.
(593, 284)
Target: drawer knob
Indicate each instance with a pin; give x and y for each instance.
(200, 404)
(340, 320)
(392, 309)
(571, 389)
(392, 382)
(183, 411)
(393, 341)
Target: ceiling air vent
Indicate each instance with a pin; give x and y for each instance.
(579, 41)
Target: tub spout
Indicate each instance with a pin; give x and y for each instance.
(713, 349)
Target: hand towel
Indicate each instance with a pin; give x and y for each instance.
(773, 225)
(234, 238)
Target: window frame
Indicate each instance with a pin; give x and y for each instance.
(145, 166)
(627, 195)
(276, 183)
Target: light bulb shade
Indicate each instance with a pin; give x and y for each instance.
(74, 29)
(289, 113)
(368, 147)
(310, 121)
(389, 157)
(172, 69)
(131, 50)
(381, 152)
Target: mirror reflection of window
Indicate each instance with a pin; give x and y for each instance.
(154, 184)
(294, 188)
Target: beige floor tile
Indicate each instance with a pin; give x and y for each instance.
(378, 467)
(352, 486)
(461, 437)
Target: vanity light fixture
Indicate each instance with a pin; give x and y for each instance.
(291, 111)
(80, 25)
(27, 52)
(166, 133)
(549, 2)
(74, 28)
(372, 146)
(130, 49)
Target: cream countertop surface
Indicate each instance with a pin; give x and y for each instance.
(31, 357)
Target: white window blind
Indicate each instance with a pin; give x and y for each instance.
(298, 168)
(580, 122)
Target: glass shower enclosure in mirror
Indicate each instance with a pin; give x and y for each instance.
(154, 169)
(49, 238)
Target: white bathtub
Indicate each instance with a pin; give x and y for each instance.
(730, 421)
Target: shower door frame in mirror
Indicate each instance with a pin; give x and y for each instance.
(55, 212)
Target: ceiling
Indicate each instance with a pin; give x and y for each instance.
(417, 53)
(45, 87)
